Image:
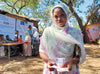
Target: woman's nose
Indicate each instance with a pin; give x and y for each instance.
(59, 18)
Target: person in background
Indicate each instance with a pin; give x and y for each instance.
(16, 36)
(8, 39)
(17, 39)
(5, 48)
(3, 40)
(30, 33)
(35, 34)
(61, 45)
(20, 39)
(20, 36)
(27, 45)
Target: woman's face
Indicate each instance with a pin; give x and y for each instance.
(59, 17)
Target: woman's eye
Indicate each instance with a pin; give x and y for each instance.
(56, 16)
(62, 15)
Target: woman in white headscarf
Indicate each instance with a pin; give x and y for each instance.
(27, 45)
(58, 43)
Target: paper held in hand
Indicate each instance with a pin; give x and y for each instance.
(59, 69)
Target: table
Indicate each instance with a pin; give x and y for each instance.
(10, 44)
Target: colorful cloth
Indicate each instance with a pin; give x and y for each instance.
(58, 42)
(65, 49)
(30, 32)
(27, 46)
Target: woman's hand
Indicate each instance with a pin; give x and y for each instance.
(50, 64)
(70, 62)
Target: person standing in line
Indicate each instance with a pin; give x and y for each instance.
(30, 33)
(61, 45)
(35, 34)
(27, 45)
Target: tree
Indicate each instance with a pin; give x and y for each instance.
(43, 12)
(96, 17)
(72, 4)
(76, 3)
(19, 6)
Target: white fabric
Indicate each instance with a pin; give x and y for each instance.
(63, 7)
(27, 37)
(35, 31)
(36, 34)
(55, 34)
(66, 48)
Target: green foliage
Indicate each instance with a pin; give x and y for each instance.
(52, 2)
(91, 8)
(17, 6)
(95, 18)
(77, 3)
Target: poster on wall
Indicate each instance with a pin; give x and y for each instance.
(7, 26)
(22, 27)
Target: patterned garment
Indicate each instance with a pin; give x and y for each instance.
(27, 46)
(58, 42)
(76, 33)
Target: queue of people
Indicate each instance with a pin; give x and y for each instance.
(32, 32)
(31, 35)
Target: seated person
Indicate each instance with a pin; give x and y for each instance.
(3, 40)
(19, 47)
(8, 39)
(18, 40)
(20, 36)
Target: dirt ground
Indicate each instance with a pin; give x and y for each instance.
(34, 65)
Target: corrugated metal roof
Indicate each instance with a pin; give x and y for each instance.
(20, 17)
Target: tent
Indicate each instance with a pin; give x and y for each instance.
(93, 31)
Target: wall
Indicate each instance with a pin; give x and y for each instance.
(8, 24)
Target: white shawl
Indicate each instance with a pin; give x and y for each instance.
(53, 35)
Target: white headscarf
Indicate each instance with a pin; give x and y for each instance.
(52, 35)
(67, 15)
(27, 37)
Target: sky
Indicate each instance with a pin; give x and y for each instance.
(83, 8)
